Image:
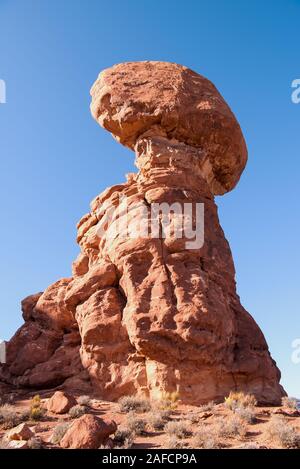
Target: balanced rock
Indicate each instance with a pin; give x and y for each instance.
(152, 304)
(88, 432)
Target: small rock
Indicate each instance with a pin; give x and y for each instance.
(17, 444)
(205, 415)
(21, 432)
(287, 412)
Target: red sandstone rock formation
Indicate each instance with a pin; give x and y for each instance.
(146, 314)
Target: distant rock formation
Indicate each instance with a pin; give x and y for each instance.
(145, 313)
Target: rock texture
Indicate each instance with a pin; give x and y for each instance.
(88, 432)
(61, 402)
(21, 432)
(147, 314)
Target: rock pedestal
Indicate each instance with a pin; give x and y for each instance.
(152, 304)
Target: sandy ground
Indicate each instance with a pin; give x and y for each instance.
(257, 434)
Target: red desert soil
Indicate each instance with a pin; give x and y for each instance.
(256, 433)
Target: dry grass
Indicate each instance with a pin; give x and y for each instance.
(136, 425)
(35, 443)
(247, 414)
(134, 403)
(239, 399)
(193, 417)
(77, 411)
(209, 407)
(289, 403)
(243, 406)
(84, 400)
(124, 438)
(9, 418)
(230, 427)
(158, 419)
(178, 428)
(174, 443)
(169, 400)
(283, 433)
(209, 436)
(59, 432)
(206, 438)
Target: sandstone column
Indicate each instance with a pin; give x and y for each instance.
(146, 314)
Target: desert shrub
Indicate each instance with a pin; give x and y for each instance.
(24, 416)
(206, 437)
(35, 443)
(169, 400)
(77, 411)
(136, 424)
(247, 414)
(289, 403)
(36, 401)
(231, 427)
(178, 428)
(207, 407)
(134, 403)
(165, 413)
(59, 432)
(158, 418)
(284, 434)
(8, 417)
(36, 411)
(239, 399)
(192, 417)
(174, 442)
(124, 438)
(84, 400)
(242, 405)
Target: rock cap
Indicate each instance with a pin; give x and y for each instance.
(173, 101)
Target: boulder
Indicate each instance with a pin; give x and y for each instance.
(88, 432)
(21, 432)
(61, 402)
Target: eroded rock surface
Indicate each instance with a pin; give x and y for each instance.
(144, 313)
(88, 432)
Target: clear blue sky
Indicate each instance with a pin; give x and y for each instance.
(55, 158)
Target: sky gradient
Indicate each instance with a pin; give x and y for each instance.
(55, 159)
